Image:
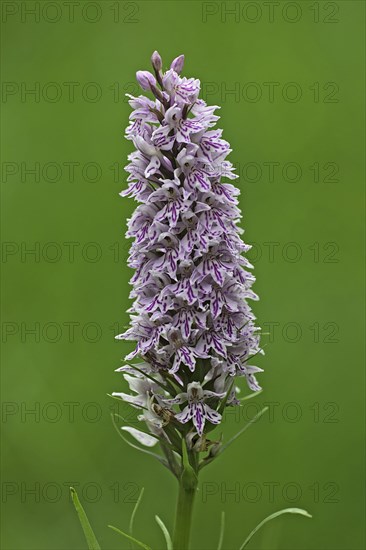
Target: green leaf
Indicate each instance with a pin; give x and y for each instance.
(159, 458)
(167, 378)
(135, 510)
(88, 531)
(189, 477)
(138, 542)
(168, 540)
(224, 401)
(116, 415)
(240, 432)
(209, 459)
(121, 401)
(273, 516)
(222, 530)
(257, 352)
(185, 459)
(170, 454)
(145, 374)
(250, 395)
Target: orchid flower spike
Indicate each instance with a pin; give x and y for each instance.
(191, 320)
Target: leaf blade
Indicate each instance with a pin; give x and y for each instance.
(240, 432)
(138, 542)
(168, 540)
(224, 401)
(137, 504)
(146, 374)
(299, 511)
(250, 395)
(222, 531)
(205, 462)
(159, 458)
(90, 537)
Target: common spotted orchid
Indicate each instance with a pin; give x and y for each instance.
(195, 333)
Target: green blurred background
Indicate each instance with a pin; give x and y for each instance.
(295, 121)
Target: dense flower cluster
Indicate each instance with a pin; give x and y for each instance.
(194, 329)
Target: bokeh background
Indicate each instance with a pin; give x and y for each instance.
(288, 76)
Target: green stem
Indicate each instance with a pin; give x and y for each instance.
(183, 519)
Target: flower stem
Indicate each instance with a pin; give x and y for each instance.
(183, 518)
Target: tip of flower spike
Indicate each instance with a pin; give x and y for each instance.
(177, 64)
(156, 61)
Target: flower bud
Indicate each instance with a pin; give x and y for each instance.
(156, 61)
(177, 64)
(215, 449)
(145, 79)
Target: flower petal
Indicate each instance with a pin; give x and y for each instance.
(143, 438)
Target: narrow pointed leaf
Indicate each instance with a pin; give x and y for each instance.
(224, 401)
(208, 460)
(185, 459)
(116, 415)
(174, 466)
(273, 516)
(137, 504)
(222, 531)
(260, 351)
(189, 477)
(120, 400)
(147, 375)
(168, 380)
(159, 458)
(240, 432)
(88, 531)
(249, 396)
(168, 540)
(138, 542)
